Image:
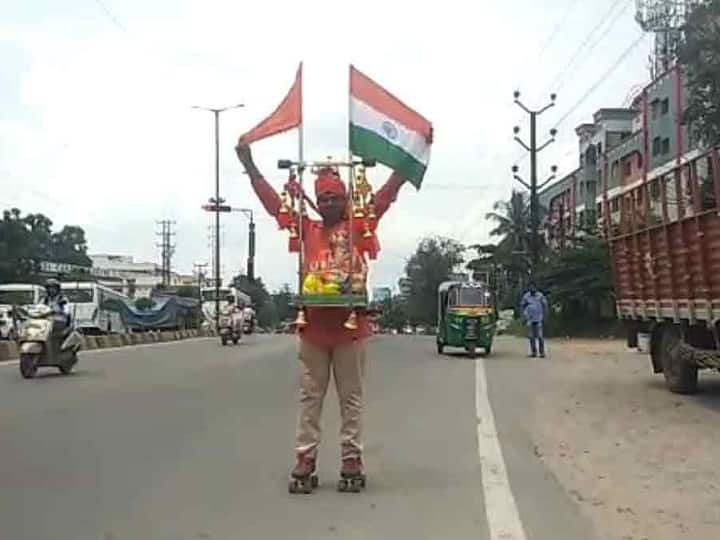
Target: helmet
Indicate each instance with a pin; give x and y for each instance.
(52, 284)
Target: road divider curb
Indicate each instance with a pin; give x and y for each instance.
(9, 349)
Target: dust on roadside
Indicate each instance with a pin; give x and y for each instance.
(641, 462)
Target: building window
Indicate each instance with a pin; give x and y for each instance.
(627, 168)
(615, 205)
(665, 106)
(656, 144)
(666, 146)
(654, 108)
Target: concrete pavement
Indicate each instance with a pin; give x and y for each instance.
(192, 440)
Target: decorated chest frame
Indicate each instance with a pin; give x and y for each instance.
(322, 289)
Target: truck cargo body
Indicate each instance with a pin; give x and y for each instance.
(664, 239)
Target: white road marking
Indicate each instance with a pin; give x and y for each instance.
(502, 513)
(115, 349)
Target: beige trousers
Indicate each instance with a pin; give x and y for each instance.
(347, 363)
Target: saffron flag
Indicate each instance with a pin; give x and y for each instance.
(286, 116)
(383, 128)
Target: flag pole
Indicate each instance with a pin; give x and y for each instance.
(301, 169)
(351, 190)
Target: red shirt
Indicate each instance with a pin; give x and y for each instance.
(327, 249)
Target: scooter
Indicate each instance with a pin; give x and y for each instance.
(46, 340)
(230, 328)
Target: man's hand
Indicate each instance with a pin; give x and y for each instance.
(243, 153)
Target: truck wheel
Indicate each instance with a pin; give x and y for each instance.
(680, 377)
(440, 347)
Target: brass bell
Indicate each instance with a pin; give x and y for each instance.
(359, 211)
(351, 323)
(371, 208)
(367, 233)
(301, 320)
(284, 208)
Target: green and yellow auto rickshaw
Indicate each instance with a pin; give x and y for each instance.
(467, 317)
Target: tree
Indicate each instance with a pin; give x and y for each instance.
(394, 313)
(430, 265)
(698, 54)
(260, 298)
(27, 241)
(579, 280)
(281, 300)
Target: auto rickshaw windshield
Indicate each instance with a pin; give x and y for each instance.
(470, 296)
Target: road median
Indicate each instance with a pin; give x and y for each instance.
(9, 349)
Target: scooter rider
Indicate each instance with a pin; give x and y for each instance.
(56, 300)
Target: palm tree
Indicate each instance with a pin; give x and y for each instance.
(512, 220)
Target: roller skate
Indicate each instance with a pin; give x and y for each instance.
(352, 475)
(303, 478)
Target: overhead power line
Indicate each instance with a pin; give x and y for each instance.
(110, 15)
(602, 78)
(580, 51)
(558, 26)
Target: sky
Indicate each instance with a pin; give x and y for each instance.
(97, 129)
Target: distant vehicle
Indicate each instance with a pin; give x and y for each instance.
(466, 317)
(94, 307)
(229, 296)
(14, 295)
(7, 324)
(20, 294)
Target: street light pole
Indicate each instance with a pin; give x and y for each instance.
(251, 243)
(216, 113)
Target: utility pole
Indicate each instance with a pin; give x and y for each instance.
(167, 249)
(533, 187)
(218, 201)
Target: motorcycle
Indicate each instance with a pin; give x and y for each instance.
(47, 340)
(230, 328)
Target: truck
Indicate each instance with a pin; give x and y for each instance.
(663, 233)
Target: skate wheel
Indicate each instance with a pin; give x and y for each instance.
(301, 486)
(315, 481)
(356, 485)
(342, 485)
(363, 481)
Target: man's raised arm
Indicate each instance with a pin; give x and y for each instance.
(267, 195)
(387, 194)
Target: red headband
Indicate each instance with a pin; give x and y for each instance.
(328, 182)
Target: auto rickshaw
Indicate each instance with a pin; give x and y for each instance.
(467, 317)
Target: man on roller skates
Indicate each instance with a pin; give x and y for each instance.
(326, 344)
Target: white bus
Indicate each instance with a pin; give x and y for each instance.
(86, 304)
(229, 296)
(20, 294)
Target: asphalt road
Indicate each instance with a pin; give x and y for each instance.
(190, 440)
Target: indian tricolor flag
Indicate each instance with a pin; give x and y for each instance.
(385, 129)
